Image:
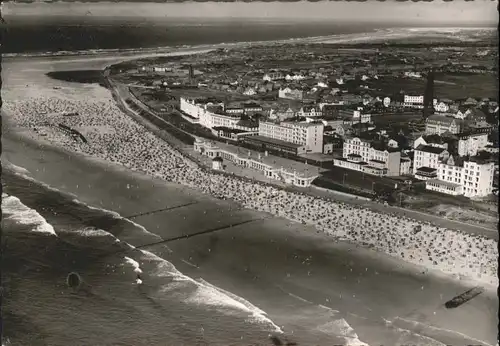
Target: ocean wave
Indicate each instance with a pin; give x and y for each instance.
(208, 294)
(117, 216)
(341, 328)
(258, 315)
(96, 232)
(14, 209)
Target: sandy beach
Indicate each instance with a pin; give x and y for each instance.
(133, 171)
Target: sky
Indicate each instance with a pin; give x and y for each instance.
(460, 12)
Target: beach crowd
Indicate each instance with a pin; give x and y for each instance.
(115, 137)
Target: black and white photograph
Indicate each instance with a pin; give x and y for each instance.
(240, 172)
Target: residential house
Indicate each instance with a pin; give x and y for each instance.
(292, 94)
(282, 113)
(441, 107)
(386, 101)
(470, 102)
(250, 92)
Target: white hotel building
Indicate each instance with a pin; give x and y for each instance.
(471, 178)
(426, 161)
(471, 144)
(195, 108)
(307, 134)
(205, 118)
(360, 155)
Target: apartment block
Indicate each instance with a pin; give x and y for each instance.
(308, 134)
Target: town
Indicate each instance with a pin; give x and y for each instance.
(340, 111)
(376, 121)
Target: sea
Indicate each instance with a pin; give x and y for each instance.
(48, 236)
(76, 273)
(23, 34)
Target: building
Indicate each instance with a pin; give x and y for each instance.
(369, 157)
(282, 113)
(426, 161)
(307, 134)
(354, 116)
(233, 134)
(252, 108)
(470, 144)
(431, 140)
(441, 107)
(405, 166)
(310, 111)
(475, 116)
(439, 124)
(413, 101)
(250, 92)
(386, 101)
(194, 108)
(272, 76)
(271, 167)
(471, 178)
(291, 94)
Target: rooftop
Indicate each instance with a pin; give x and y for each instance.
(429, 149)
(426, 170)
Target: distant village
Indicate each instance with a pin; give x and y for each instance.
(346, 109)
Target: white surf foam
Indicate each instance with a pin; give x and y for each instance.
(258, 315)
(117, 216)
(208, 294)
(14, 209)
(341, 328)
(135, 264)
(95, 232)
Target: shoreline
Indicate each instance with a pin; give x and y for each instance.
(289, 235)
(350, 245)
(348, 39)
(319, 229)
